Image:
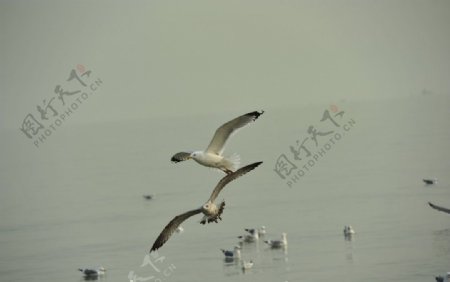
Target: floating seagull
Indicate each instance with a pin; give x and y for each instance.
(261, 231)
(442, 278)
(430, 181)
(211, 212)
(212, 156)
(232, 255)
(251, 237)
(442, 209)
(91, 273)
(276, 244)
(246, 265)
(148, 197)
(348, 231)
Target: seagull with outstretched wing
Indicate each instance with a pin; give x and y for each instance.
(212, 156)
(442, 209)
(211, 211)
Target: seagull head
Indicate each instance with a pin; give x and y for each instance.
(262, 230)
(208, 208)
(196, 155)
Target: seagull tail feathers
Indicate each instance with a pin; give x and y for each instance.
(234, 161)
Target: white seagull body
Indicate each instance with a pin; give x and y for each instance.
(252, 236)
(276, 244)
(211, 211)
(92, 272)
(212, 156)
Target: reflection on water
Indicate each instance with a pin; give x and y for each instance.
(441, 242)
(349, 248)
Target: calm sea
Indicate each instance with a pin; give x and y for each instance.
(76, 201)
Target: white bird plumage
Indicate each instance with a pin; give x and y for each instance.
(212, 156)
(275, 244)
(252, 236)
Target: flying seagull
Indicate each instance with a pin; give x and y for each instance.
(212, 156)
(442, 209)
(211, 211)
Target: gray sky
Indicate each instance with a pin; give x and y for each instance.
(182, 57)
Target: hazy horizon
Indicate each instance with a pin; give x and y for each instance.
(161, 58)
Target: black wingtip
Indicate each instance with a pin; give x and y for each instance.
(256, 164)
(250, 166)
(255, 114)
(155, 246)
(174, 160)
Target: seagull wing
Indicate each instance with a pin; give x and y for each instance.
(230, 177)
(442, 209)
(222, 134)
(171, 227)
(181, 156)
